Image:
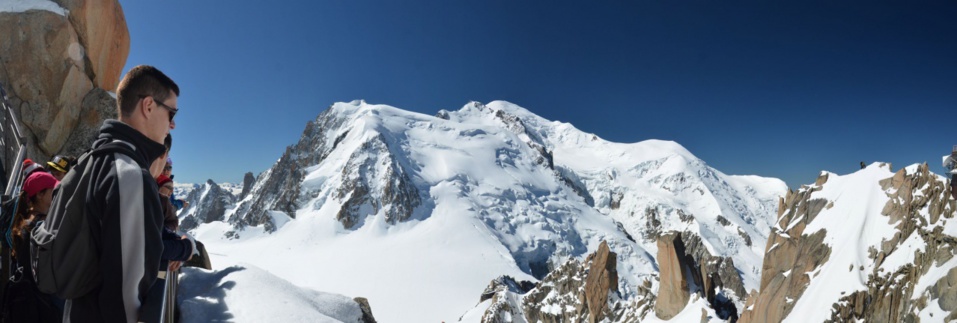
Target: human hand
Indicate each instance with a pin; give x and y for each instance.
(174, 265)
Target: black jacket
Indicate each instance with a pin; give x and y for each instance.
(124, 197)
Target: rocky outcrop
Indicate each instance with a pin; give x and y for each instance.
(575, 292)
(248, 181)
(919, 208)
(602, 279)
(366, 310)
(505, 283)
(101, 27)
(687, 268)
(54, 84)
(674, 292)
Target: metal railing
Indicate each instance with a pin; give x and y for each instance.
(12, 144)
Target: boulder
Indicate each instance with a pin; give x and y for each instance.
(49, 77)
(101, 27)
(41, 64)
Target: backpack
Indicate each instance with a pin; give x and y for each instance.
(63, 252)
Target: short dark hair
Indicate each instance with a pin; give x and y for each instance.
(142, 80)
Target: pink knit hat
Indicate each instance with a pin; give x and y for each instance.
(37, 182)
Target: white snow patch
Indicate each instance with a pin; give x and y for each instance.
(245, 293)
(27, 5)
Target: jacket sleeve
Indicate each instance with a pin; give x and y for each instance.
(131, 242)
(170, 221)
(175, 248)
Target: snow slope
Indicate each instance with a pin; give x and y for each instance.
(245, 293)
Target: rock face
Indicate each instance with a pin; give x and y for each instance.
(101, 27)
(98, 105)
(54, 85)
(673, 293)
(370, 167)
(207, 203)
(906, 238)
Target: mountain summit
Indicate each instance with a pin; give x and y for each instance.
(374, 200)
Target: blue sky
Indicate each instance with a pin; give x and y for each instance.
(751, 87)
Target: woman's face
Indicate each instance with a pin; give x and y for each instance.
(157, 167)
(44, 199)
(57, 174)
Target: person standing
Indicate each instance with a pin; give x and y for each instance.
(23, 301)
(124, 198)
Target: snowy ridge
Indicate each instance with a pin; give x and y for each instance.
(381, 200)
(873, 245)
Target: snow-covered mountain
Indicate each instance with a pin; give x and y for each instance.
(207, 203)
(409, 209)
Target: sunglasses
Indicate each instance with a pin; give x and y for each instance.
(172, 110)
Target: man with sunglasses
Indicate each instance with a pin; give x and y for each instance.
(124, 198)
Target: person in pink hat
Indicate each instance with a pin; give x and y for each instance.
(31, 304)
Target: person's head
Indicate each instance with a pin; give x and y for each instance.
(168, 170)
(38, 190)
(29, 167)
(159, 165)
(59, 166)
(146, 100)
(35, 199)
(165, 185)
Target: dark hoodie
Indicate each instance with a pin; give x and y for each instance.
(125, 199)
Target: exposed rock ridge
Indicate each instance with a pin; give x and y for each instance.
(788, 250)
(919, 207)
(889, 294)
(278, 189)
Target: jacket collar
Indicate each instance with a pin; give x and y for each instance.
(145, 149)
